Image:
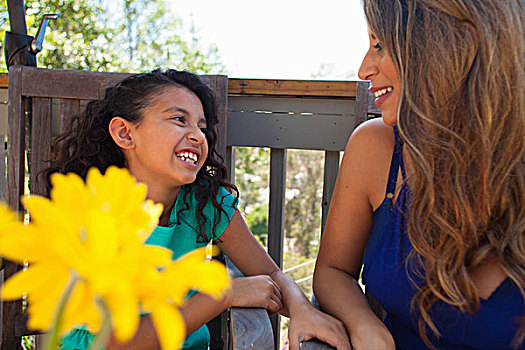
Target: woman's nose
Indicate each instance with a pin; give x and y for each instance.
(368, 67)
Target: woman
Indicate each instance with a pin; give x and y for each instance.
(430, 199)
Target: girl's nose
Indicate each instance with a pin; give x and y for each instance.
(196, 135)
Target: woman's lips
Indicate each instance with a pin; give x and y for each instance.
(379, 100)
(381, 93)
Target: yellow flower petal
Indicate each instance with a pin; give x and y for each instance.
(123, 306)
(169, 326)
(81, 310)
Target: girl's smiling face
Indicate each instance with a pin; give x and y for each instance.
(169, 145)
(378, 67)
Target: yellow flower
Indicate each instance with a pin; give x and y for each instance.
(92, 234)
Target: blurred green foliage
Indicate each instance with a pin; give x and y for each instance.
(115, 36)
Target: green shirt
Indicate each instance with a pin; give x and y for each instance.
(180, 236)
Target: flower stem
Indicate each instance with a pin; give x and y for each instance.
(105, 329)
(52, 339)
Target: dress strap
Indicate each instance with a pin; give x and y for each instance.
(399, 151)
(394, 167)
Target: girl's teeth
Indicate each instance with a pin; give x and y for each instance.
(188, 157)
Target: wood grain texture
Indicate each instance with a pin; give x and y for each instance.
(15, 187)
(274, 87)
(4, 80)
(68, 109)
(40, 144)
(250, 328)
(292, 87)
(3, 178)
(16, 139)
(331, 167)
(61, 83)
(276, 220)
(365, 103)
(219, 84)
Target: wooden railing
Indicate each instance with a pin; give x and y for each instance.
(279, 114)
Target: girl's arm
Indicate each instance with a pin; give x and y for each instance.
(361, 181)
(256, 291)
(239, 244)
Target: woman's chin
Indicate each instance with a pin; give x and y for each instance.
(389, 119)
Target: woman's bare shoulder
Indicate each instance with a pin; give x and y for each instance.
(373, 140)
(374, 132)
(367, 158)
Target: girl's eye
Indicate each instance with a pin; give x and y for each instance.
(178, 118)
(204, 129)
(378, 47)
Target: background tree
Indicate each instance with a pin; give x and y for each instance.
(121, 35)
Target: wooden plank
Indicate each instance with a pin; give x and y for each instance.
(3, 174)
(292, 105)
(276, 204)
(274, 87)
(4, 80)
(16, 147)
(331, 167)
(68, 109)
(292, 87)
(15, 187)
(219, 84)
(276, 219)
(4, 98)
(361, 107)
(40, 144)
(365, 104)
(250, 327)
(229, 162)
(289, 131)
(61, 83)
(21, 326)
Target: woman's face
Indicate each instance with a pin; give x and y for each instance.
(378, 67)
(170, 146)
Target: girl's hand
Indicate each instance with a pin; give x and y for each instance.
(255, 291)
(371, 335)
(311, 323)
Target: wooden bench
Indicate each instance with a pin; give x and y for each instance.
(281, 115)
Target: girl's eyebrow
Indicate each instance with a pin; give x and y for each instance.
(175, 109)
(184, 111)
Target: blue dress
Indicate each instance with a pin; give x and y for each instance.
(386, 276)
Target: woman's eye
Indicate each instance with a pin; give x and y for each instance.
(378, 47)
(204, 129)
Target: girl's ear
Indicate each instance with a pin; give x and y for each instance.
(120, 131)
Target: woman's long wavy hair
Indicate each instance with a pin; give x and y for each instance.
(461, 116)
(87, 143)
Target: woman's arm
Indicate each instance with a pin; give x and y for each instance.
(239, 244)
(360, 186)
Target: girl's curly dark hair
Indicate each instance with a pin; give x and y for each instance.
(87, 142)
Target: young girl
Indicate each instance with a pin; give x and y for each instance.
(430, 198)
(161, 127)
